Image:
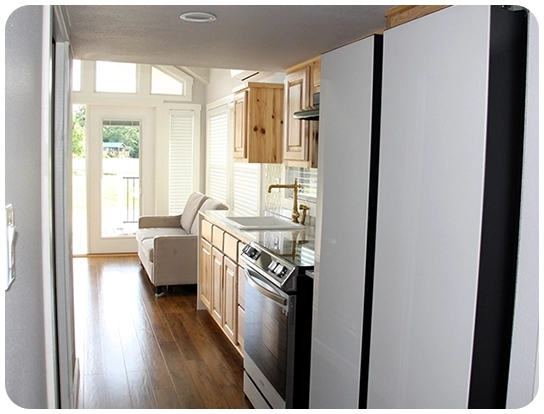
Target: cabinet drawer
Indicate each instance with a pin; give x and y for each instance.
(217, 237)
(206, 230)
(230, 247)
(240, 248)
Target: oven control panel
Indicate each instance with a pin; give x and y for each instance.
(273, 268)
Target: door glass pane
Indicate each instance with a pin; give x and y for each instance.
(79, 181)
(120, 177)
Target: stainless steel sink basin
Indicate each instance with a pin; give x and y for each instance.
(263, 223)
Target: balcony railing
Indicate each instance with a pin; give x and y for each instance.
(133, 199)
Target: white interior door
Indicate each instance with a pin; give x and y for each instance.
(120, 175)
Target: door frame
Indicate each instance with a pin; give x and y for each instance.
(95, 115)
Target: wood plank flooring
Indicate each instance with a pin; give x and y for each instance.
(139, 351)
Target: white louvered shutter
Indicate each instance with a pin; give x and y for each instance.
(307, 177)
(217, 153)
(246, 188)
(181, 150)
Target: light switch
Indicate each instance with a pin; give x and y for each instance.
(10, 239)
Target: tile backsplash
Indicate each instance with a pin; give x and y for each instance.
(276, 202)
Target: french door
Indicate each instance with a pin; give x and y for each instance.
(120, 175)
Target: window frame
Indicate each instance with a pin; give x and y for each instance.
(220, 106)
(177, 74)
(228, 104)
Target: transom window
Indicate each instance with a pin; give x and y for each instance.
(116, 77)
(164, 84)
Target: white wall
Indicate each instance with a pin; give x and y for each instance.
(221, 84)
(523, 380)
(199, 97)
(25, 345)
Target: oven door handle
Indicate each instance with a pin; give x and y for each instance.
(261, 289)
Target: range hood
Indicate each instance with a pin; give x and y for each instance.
(310, 113)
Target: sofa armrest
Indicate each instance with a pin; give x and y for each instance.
(159, 221)
(177, 242)
(175, 260)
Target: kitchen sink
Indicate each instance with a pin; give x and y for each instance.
(263, 223)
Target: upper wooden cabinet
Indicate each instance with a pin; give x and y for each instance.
(402, 14)
(300, 136)
(258, 118)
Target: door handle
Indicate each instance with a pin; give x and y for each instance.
(262, 290)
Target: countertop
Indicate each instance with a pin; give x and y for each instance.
(296, 246)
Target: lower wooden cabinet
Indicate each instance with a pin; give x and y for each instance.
(241, 306)
(230, 297)
(205, 273)
(217, 286)
(221, 282)
(241, 315)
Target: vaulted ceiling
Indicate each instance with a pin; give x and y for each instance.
(252, 37)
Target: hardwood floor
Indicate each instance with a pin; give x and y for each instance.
(138, 351)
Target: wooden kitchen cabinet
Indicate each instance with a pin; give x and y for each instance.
(402, 14)
(301, 136)
(221, 283)
(258, 123)
(240, 131)
(230, 299)
(205, 280)
(217, 286)
(241, 305)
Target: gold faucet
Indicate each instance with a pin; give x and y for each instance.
(304, 209)
(295, 214)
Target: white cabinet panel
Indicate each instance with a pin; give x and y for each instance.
(432, 156)
(343, 175)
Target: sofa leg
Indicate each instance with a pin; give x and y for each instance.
(159, 292)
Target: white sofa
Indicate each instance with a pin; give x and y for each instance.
(168, 245)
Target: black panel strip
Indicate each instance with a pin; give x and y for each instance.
(501, 209)
(372, 214)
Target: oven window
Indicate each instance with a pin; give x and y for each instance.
(265, 337)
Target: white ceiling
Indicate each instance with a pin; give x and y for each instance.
(266, 38)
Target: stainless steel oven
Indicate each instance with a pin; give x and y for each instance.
(277, 332)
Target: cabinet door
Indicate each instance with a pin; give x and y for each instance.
(241, 319)
(205, 273)
(296, 131)
(217, 286)
(431, 183)
(316, 76)
(347, 90)
(241, 305)
(230, 298)
(240, 122)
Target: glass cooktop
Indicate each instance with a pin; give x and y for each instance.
(292, 247)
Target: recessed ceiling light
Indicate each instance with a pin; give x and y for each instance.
(198, 17)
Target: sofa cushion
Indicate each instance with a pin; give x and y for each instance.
(149, 244)
(194, 202)
(150, 233)
(209, 204)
